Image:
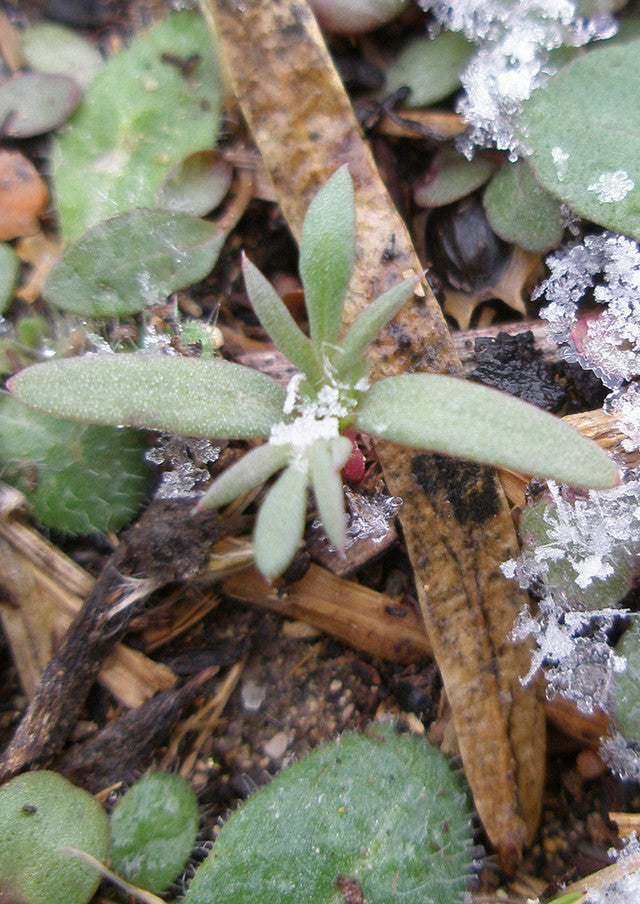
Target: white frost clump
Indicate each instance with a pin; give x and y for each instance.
(184, 459)
(605, 269)
(515, 38)
(625, 405)
(612, 186)
(573, 649)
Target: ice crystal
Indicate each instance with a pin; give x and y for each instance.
(625, 890)
(583, 550)
(572, 647)
(605, 269)
(625, 405)
(183, 460)
(515, 38)
(612, 186)
(621, 756)
(368, 517)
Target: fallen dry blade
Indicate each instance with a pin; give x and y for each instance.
(305, 128)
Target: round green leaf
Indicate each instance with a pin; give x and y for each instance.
(626, 692)
(9, 269)
(150, 106)
(126, 264)
(54, 49)
(41, 814)
(205, 397)
(520, 211)
(582, 128)
(77, 478)
(383, 812)
(153, 830)
(197, 184)
(430, 67)
(450, 177)
(32, 103)
(467, 420)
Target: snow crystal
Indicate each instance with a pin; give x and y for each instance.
(368, 517)
(183, 459)
(625, 405)
(605, 269)
(512, 60)
(612, 186)
(561, 161)
(621, 756)
(573, 649)
(625, 890)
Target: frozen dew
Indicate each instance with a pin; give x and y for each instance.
(625, 890)
(561, 161)
(514, 39)
(368, 517)
(612, 186)
(573, 649)
(621, 756)
(604, 271)
(183, 460)
(625, 405)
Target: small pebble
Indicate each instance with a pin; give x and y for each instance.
(277, 745)
(252, 696)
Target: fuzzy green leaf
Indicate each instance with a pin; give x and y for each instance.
(9, 270)
(382, 810)
(253, 468)
(366, 327)
(278, 322)
(582, 128)
(51, 48)
(79, 478)
(153, 830)
(431, 67)
(187, 396)
(327, 255)
(280, 522)
(627, 683)
(32, 103)
(521, 211)
(466, 420)
(450, 177)
(126, 264)
(197, 184)
(325, 461)
(41, 814)
(141, 115)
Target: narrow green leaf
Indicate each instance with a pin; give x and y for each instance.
(280, 522)
(278, 322)
(582, 128)
(430, 67)
(325, 461)
(152, 104)
(253, 468)
(130, 262)
(327, 255)
(186, 396)
(521, 211)
(467, 420)
(368, 324)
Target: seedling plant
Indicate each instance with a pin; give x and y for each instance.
(305, 424)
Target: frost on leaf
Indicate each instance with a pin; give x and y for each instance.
(515, 38)
(573, 649)
(593, 314)
(625, 405)
(368, 517)
(183, 460)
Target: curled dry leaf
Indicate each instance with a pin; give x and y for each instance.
(23, 196)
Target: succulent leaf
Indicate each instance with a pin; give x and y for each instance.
(325, 461)
(466, 420)
(327, 255)
(280, 522)
(278, 322)
(252, 469)
(210, 398)
(368, 324)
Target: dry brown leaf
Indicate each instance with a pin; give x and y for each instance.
(23, 196)
(456, 523)
(42, 252)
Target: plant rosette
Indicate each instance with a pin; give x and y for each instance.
(305, 424)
